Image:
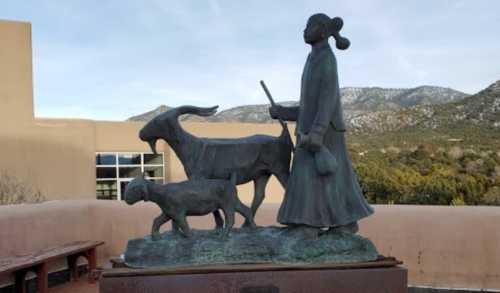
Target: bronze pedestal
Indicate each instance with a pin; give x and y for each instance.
(379, 276)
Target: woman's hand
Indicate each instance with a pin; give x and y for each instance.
(311, 141)
(315, 141)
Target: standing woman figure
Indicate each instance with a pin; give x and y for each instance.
(323, 190)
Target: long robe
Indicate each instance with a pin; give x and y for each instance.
(313, 199)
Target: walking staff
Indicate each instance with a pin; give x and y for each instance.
(283, 123)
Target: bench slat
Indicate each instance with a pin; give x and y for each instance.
(15, 263)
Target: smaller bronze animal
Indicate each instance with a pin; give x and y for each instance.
(195, 197)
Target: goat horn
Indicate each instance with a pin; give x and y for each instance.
(200, 111)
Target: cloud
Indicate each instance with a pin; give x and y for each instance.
(114, 59)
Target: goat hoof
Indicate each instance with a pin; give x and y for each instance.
(186, 235)
(249, 225)
(219, 231)
(155, 236)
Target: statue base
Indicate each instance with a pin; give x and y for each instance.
(383, 275)
(263, 245)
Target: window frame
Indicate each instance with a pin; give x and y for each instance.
(117, 166)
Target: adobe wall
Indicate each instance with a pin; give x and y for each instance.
(441, 246)
(119, 137)
(53, 157)
(16, 82)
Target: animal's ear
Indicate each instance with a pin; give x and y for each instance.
(163, 116)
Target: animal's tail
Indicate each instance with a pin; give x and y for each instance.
(286, 138)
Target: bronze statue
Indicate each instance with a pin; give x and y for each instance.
(195, 197)
(254, 158)
(322, 190)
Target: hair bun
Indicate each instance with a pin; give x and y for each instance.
(342, 43)
(337, 23)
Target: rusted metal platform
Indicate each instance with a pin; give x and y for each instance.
(384, 275)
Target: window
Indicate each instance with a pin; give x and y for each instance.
(115, 170)
(107, 189)
(105, 159)
(129, 159)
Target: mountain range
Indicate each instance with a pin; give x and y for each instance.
(480, 110)
(357, 102)
(378, 118)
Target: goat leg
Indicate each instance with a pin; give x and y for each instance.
(183, 224)
(158, 221)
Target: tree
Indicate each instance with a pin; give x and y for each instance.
(492, 196)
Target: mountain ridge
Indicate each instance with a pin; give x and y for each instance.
(356, 101)
(482, 108)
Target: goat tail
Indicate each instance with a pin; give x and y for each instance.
(286, 138)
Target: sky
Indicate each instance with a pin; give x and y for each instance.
(109, 60)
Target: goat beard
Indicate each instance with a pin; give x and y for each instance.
(152, 145)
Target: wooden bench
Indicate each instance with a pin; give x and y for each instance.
(38, 263)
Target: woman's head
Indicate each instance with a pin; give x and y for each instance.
(320, 27)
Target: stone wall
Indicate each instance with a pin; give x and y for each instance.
(449, 247)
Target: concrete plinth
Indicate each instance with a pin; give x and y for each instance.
(258, 279)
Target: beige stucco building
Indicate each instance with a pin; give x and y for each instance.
(58, 157)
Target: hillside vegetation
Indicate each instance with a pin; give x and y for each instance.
(403, 168)
(441, 154)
